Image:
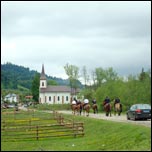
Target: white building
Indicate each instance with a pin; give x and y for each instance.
(53, 94)
(11, 97)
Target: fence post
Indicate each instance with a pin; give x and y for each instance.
(37, 133)
(4, 125)
(14, 114)
(30, 124)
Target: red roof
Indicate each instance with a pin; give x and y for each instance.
(28, 97)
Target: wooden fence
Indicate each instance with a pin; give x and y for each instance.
(29, 129)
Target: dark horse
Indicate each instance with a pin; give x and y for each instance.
(86, 109)
(117, 108)
(107, 108)
(95, 108)
(76, 108)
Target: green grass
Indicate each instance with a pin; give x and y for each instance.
(100, 135)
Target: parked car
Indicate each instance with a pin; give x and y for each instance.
(11, 106)
(139, 111)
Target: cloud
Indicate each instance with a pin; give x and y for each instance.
(95, 34)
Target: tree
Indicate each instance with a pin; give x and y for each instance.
(100, 75)
(72, 71)
(110, 74)
(52, 82)
(35, 87)
(85, 75)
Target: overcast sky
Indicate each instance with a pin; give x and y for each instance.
(92, 34)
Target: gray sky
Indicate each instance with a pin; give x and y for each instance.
(84, 33)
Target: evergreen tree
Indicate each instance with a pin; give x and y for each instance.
(35, 87)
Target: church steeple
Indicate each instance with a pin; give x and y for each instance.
(43, 81)
(43, 77)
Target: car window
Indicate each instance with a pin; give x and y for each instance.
(144, 106)
(134, 107)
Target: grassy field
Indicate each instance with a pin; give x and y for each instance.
(100, 135)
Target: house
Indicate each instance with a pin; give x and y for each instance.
(29, 97)
(11, 97)
(54, 94)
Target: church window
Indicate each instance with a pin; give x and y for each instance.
(66, 98)
(42, 83)
(58, 98)
(49, 98)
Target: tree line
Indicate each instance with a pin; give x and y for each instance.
(100, 83)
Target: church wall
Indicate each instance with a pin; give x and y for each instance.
(55, 98)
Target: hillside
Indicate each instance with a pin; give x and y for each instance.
(14, 76)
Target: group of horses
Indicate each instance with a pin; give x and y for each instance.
(107, 107)
(80, 107)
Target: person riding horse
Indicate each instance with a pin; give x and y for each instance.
(86, 101)
(94, 101)
(116, 107)
(74, 102)
(107, 106)
(107, 100)
(117, 100)
(94, 106)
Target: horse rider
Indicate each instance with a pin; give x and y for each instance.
(117, 100)
(107, 100)
(86, 101)
(94, 101)
(74, 102)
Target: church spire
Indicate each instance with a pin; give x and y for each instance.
(43, 77)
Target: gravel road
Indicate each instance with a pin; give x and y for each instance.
(116, 118)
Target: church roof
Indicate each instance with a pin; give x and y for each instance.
(52, 88)
(42, 77)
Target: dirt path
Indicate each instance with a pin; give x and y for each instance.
(116, 118)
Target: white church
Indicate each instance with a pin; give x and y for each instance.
(53, 94)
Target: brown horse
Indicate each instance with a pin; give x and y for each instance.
(95, 108)
(117, 108)
(86, 109)
(107, 108)
(76, 108)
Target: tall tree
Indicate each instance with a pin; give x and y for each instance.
(73, 73)
(85, 75)
(110, 74)
(100, 75)
(35, 87)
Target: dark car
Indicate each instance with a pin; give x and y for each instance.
(139, 111)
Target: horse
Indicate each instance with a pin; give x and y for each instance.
(95, 108)
(86, 109)
(76, 108)
(117, 108)
(107, 108)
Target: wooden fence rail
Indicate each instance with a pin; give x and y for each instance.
(14, 131)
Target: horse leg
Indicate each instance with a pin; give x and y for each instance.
(97, 110)
(110, 113)
(119, 113)
(87, 113)
(106, 113)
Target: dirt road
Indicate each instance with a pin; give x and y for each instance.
(116, 118)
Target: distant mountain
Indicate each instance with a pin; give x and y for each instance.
(13, 76)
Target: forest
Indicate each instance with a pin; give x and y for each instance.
(102, 82)
(98, 83)
(17, 77)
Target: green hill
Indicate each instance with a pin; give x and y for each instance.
(15, 77)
